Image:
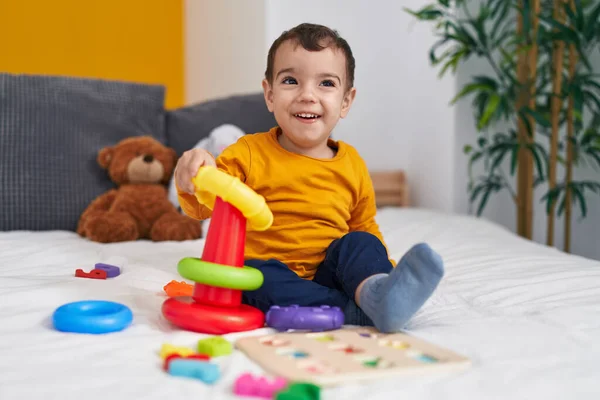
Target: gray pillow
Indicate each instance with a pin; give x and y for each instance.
(186, 126)
(51, 129)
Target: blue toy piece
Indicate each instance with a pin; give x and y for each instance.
(205, 371)
(92, 316)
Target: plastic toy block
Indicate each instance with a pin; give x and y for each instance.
(196, 369)
(214, 346)
(317, 319)
(93, 274)
(199, 357)
(111, 270)
(176, 289)
(248, 385)
(300, 391)
(168, 349)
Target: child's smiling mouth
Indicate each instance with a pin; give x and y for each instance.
(307, 118)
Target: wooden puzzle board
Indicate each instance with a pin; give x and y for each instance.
(346, 355)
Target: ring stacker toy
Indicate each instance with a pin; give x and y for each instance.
(92, 316)
(220, 276)
(305, 318)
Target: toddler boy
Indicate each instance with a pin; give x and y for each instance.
(324, 247)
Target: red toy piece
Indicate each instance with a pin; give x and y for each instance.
(224, 245)
(217, 310)
(93, 274)
(206, 318)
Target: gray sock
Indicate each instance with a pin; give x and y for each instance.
(390, 300)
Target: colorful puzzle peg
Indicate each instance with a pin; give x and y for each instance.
(173, 356)
(214, 346)
(111, 270)
(176, 289)
(249, 385)
(168, 349)
(205, 371)
(93, 274)
(300, 391)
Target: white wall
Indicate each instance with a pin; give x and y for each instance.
(224, 46)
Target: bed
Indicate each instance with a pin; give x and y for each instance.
(526, 315)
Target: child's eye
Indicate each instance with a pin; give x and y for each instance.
(289, 81)
(328, 82)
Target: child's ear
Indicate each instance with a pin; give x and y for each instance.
(268, 91)
(347, 102)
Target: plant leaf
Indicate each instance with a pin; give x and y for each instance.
(476, 192)
(483, 201)
(551, 196)
(427, 13)
(540, 118)
(514, 158)
(592, 23)
(538, 161)
(489, 111)
(578, 196)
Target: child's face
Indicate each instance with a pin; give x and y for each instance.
(308, 95)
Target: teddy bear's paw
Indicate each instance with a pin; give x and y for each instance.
(175, 227)
(111, 227)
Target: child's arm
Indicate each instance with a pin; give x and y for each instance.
(363, 215)
(235, 161)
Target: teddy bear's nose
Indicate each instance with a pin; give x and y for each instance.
(148, 158)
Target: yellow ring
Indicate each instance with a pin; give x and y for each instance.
(215, 182)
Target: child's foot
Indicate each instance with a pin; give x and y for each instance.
(390, 300)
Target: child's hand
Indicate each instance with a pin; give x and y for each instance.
(188, 165)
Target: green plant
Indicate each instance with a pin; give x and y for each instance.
(538, 108)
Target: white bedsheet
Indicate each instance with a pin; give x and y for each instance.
(528, 316)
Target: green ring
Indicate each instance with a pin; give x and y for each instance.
(225, 276)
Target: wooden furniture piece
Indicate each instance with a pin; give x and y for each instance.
(391, 188)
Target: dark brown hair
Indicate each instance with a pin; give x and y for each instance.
(313, 37)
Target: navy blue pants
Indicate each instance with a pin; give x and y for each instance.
(348, 261)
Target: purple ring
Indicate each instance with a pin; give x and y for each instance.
(111, 270)
(304, 318)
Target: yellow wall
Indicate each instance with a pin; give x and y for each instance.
(134, 40)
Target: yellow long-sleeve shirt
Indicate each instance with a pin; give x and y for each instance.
(313, 201)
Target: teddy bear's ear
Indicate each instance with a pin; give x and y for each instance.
(105, 156)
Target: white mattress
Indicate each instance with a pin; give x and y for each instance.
(528, 316)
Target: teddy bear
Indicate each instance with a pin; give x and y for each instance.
(139, 207)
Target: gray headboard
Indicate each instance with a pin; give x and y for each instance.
(188, 125)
